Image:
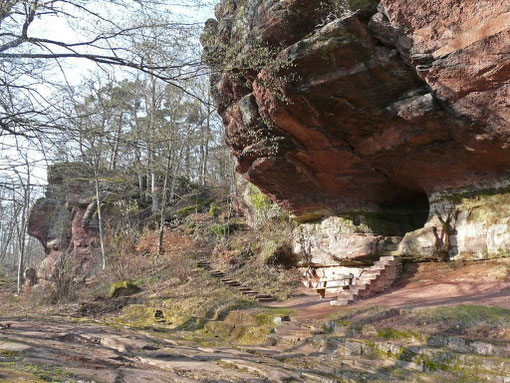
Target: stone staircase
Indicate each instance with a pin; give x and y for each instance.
(245, 290)
(372, 280)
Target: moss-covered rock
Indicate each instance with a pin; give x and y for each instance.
(123, 288)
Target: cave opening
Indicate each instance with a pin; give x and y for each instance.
(407, 211)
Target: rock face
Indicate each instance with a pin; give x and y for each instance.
(359, 107)
(476, 223)
(64, 222)
(382, 106)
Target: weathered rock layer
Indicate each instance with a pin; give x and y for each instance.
(362, 105)
(65, 224)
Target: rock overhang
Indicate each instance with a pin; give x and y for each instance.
(376, 107)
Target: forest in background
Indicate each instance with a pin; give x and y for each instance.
(117, 85)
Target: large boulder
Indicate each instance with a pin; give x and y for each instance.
(122, 289)
(335, 241)
(428, 243)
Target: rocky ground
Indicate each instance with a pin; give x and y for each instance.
(425, 338)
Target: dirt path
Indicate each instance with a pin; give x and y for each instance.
(424, 285)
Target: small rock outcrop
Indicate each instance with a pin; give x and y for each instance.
(123, 288)
(60, 223)
(380, 112)
(30, 277)
(65, 220)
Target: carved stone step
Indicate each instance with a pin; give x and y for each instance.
(372, 281)
(372, 271)
(266, 299)
(358, 289)
(368, 279)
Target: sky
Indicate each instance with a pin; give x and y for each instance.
(13, 151)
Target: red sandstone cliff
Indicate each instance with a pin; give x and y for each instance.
(375, 108)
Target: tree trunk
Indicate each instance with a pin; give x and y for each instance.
(154, 193)
(205, 144)
(23, 228)
(163, 201)
(99, 214)
(113, 161)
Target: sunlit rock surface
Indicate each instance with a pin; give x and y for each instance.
(384, 108)
(64, 222)
(381, 107)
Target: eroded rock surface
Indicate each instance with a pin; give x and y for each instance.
(65, 220)
(57, 220)
(70, 351)
(381, 107)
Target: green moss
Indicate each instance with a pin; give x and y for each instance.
(270, 249)
(247, 326)
(9, 354)
(268, 317)
(380, 353)
(391, 333)
(15, 369)
(239, 333)
(440, 361)
(220, 229)
(242, 11)
(468, 315)
(198, 206)
(123, 288)
(407, 354)
(258, 199)
(138, 316)
(47, 373)
(312, 215)
(477, 194)
(185, 211)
